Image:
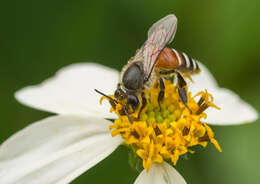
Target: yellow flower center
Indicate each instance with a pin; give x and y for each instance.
(168, 132)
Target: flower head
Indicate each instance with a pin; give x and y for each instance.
(60, 148)
(168, 131)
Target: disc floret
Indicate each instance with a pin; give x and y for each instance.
(168, 131)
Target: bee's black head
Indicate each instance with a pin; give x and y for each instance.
(119, 94)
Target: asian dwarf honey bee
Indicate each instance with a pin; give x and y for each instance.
(152, 63)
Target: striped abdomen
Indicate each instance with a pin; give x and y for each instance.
(171, 59)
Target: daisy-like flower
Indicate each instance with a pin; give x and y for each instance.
(60, 148)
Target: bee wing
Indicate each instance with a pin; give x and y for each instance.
(159, 35)
(170, 25)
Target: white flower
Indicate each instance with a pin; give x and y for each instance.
(60, 148)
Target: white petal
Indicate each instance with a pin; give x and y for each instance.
(71, 91)
(55, 150)
(160, 173)
(233, 109)
(203, 80)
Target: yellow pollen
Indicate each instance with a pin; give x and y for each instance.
(168, 132)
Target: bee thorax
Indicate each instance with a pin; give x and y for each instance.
(132, 78)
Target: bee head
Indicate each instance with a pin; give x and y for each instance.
(131, 99)
(119, 94)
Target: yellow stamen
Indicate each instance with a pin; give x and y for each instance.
(166, 133)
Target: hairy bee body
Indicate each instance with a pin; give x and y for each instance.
(151, 64)
(132, 75)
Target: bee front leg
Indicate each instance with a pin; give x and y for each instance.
(144, 103)
(161, 93)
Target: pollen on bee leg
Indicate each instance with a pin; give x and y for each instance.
(165, 133)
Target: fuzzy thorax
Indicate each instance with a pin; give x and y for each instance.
(168, 132)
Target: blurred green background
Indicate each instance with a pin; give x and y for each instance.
(39, 37)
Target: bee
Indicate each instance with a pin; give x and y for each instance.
(152, 63)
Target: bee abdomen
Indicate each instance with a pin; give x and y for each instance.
(186, 63)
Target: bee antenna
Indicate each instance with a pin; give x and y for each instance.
(99, 92)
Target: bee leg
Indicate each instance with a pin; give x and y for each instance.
(161, 93)
(127, 114)
(182, 90)
(144, 102)
(181, 86)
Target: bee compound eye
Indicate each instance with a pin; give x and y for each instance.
(133, 101)
(117, 93)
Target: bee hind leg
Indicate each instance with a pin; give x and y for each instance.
(161, 93)
(182, 85)
(182, 90)
(144, 102)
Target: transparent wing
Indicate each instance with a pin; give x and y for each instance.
(159, 35)
(170, 25)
